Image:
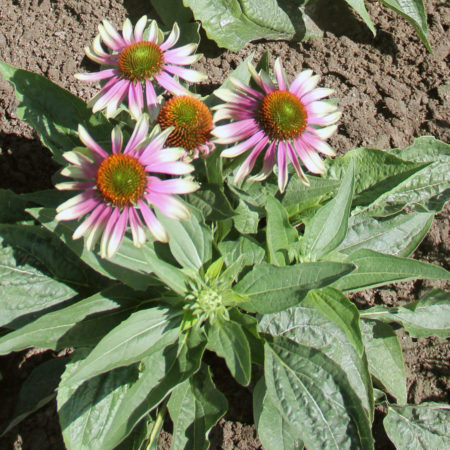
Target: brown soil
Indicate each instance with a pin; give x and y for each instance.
(391, 91)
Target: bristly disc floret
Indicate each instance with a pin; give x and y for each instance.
(121, 179)
(140, 61)
(282, 115)
(191, 119)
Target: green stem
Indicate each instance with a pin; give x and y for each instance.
(158, 425)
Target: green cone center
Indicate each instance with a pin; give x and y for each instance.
(282, 115)
(140, 61)
(121, 179)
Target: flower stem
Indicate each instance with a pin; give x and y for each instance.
(158, 425)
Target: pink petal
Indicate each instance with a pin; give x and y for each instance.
(269, 161)
(310, 158)
(169, 206)
(170, 168)
(245, 145)
(233, 132)
(172, 39)
(155, 227)
(172, 186)
(137, 229)
(150, 94)
(78, 210)
(96, 76)
(110, 224)
(168, 83)
(139, 133)
(139, 28)
(249, 163)
(135, 99)
(316, 94)
(112, 95)
(89, 142)
(282, 167)
(87, 224)
(279, 75)
(193, 76)
(116, 139)
(318, 144)
(300, 80)
(117, 234)
(294, 160)
(247, 89)
(97, 228)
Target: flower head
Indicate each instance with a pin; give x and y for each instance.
(284, 123)
(135, 59)
(123, 187)
(192, 124)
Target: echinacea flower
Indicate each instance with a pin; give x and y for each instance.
(192, 124)
(122, 187)
(134, 61)
(285, 123)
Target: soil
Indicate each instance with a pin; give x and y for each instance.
(391, 90)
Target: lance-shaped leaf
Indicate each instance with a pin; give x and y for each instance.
(274, 431)
(321, 324)
(143, 333)
(375, 269)
(23, 288)
(315, 397)
(420, 427)
(81, 324)
(133, 266)
(280, 235)
(162, 372)
(328, 227)
(234, 23)
(189, 241)
(429, 316)
(399, 235)
(85, 411)
(271, 289)
(385, 357)
(376, 173)
(195, 406)
(414, 12)
(52, 111)
(228, 341)
(360, 8)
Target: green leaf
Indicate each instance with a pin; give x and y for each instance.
(212, 202)
(24, 289)
(195, 406)
(273, 430)
(234, 23)
(81, 324)
(37, 390)
(272, 289)
(429, 316)
(228, 341)
(189, 241)
(130, 265)
(280, 235)
(86, 411)
(327, 229)
(385, 358)
(52, 111)
(299, 197)
(376, 173)
(245, 247)
(163, 371)
(429, 187)
(143, 333)
(375, 269)
(171, 11)
(337, 307)
(420, 427)
(246, 219)
(12, 207)
(47, 253)
(360, 8)
(322, 327)
(414, 12)
(399, 235)
(315, 397)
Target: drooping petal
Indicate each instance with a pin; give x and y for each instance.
(79, 209)
(169, 206)
(110, 224)
(193, 76)
(233, 132)
(171, 168)
(117, 234)
(139, 133)
(282, 166)
(96, 76)
(135, 100)
(248, 164)
(167, 82)
(172, 39)
(137, 229)
(269, 162)
(244, 145)
(88, 223)
(97, 228)
(294, 160)
(153, 224)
